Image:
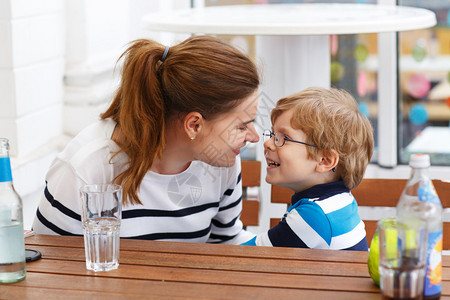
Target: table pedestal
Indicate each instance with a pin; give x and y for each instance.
(290, 64)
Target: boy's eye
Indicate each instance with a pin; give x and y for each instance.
(282, 136)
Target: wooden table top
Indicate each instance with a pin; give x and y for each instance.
(171, 270)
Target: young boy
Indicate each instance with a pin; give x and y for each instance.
(319, 147)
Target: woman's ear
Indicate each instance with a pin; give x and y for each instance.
(328, 162)
(193, 124)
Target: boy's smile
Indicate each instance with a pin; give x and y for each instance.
(271, 163)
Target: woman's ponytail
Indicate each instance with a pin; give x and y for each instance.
(138, 109)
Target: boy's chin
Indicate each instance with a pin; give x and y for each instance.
(270, 180)
(273, 181)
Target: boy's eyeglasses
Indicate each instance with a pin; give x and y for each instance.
(280, 138)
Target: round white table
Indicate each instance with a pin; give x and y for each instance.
(292, 19)
(292, 40)
(293, 52)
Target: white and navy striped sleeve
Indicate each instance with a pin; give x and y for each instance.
(81, 162)
(304, 226)
(59, 211)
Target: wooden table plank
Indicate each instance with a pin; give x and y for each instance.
(278, 253)
(14, 292)
(215, 262)
(208, 249)
(226, 277)
(141, 288)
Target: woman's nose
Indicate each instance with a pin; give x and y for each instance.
(252, 135)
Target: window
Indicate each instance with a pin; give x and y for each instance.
(424, 88)
(422, 121)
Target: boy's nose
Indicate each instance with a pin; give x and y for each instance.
(269, 145)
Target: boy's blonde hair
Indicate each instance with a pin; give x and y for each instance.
(331, 120)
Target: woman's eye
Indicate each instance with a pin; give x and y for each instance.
(242, 128)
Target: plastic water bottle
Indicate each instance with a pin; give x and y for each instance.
(420, 188)
(12, 244)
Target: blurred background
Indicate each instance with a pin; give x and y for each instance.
(57, 73)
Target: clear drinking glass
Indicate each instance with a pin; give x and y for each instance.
(101, 216)
(402, 258)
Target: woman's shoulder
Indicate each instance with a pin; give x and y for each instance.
(99, 130)
(92, 145)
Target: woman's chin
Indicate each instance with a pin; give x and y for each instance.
(229, 162)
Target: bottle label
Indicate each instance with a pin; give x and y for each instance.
(433, 273)
(5, 169)
(427, 193)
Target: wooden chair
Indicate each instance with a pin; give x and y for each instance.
(251, 177)
(279, 194)
(377, 193)
(387, 192)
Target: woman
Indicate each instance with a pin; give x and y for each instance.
(171, 138)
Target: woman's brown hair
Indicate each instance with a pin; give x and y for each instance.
(202, 74)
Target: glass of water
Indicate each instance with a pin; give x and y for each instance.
(402, 258)
(101, 215)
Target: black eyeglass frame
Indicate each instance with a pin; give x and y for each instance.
(268, 133)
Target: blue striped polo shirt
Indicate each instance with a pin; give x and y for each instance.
(324, 216)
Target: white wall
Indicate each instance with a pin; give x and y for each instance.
(97, 33)
(31, 70)
(31, 73)
(56, 75)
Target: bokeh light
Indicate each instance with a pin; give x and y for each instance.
(363, 109)
(334, 44)
(361, 52)
(417, 85)
(362, 84)
(418, 114)
(448, 17)
(419, 52)
(337, 71)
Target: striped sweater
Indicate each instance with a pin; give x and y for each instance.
(201, 204)
(322, 217)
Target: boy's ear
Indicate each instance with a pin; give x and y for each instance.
(328, 162)
(193, 124)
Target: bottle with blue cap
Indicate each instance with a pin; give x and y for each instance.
(12, 245)
(419, 188)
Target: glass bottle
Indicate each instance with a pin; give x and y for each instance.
(419, 188)
(12, 245)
